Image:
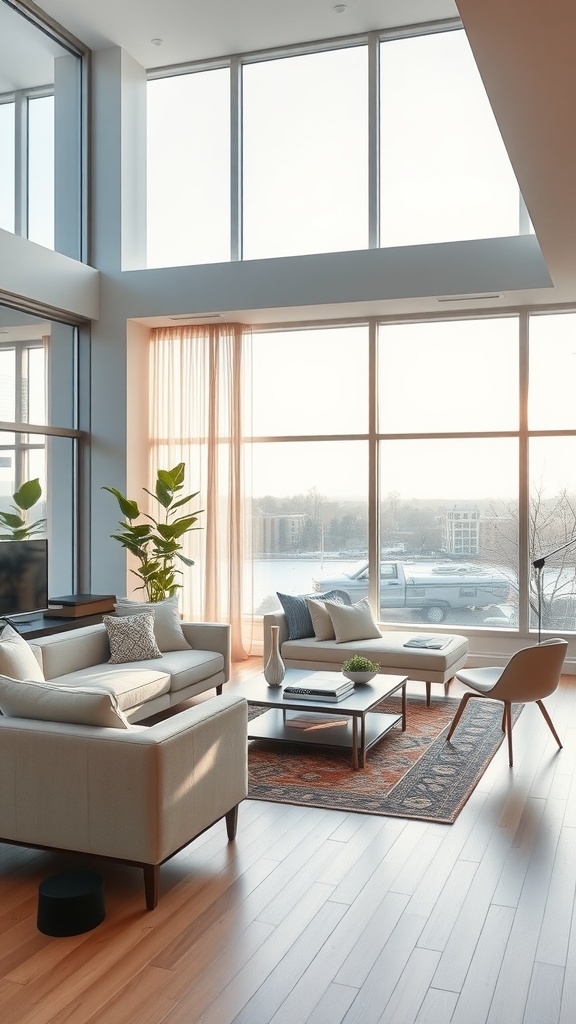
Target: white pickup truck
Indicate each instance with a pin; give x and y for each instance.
(434, 588)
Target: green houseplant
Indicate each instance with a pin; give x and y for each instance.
(16, 523)
(156, 543)
(360, 669)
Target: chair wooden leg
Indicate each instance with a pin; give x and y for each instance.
(508, 720)
(549, 720)
(428, 694)
(504, 718)
(459, 713)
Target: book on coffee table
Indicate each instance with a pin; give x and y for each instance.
(319, 691)
(313, 721)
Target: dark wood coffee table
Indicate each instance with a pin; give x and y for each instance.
(348, 723)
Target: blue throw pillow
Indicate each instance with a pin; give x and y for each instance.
(297, 615)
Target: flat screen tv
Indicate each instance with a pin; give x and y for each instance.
(23, 576)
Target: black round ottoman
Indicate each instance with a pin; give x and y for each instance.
(70, 903)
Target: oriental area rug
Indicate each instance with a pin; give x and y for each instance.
(415, 774)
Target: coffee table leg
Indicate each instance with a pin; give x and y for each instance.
(355, 743)
(404, 707)
(363, 741)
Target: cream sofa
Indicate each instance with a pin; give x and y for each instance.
(79, 657)
(132, 794)
(389, 651)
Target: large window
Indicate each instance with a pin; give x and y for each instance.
(305, 148)
(309, 484)
(468, 491)
(444, 171)
(38, 431)
(41, 100)
(552, 454)
(189, 169)
(318, 143)
(7, 144)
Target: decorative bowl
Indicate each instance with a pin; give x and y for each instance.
(360, 677)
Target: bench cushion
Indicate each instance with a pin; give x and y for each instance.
(388, 650)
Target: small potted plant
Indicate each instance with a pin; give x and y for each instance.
(360, 669)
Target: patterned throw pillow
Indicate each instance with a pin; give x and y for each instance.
(131, 638)
(167, 628)
(297, 614)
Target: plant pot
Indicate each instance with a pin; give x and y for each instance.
(360, 677)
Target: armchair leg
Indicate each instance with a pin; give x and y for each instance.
(549, 721)
(508, 721)
(459, 713)
(232, 823)
(428, 694)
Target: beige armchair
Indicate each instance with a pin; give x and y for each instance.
(135, 795)
(531, 674)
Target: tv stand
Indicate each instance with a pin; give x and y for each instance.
(34, 624)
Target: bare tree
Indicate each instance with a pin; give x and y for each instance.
(551, 524)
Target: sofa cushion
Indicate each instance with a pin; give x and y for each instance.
(49, 702)
(131, 638)
(167, 628)
(132, 684)
(17, 660)
(354, 622)
(186, 668)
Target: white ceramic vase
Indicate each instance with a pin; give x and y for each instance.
(274, 669)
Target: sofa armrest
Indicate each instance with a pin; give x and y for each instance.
(137, 794)
(210, 636)
(277, 618)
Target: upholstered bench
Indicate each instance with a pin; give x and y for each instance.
(386, 647)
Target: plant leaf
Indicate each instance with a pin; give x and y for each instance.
(11, 521)
(128, 507)
(29, 493)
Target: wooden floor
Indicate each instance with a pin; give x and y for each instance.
(326, 917)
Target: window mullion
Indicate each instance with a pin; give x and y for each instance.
(373, 140)
(235, 159)
(21, 164)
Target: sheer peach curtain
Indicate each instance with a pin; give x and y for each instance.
(200, 413)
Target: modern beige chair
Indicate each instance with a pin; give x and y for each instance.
(530, 675)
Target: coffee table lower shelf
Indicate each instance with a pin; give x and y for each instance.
(338, 734)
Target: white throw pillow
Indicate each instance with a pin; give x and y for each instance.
(131, 638)
(321, 621)
(167, 628)
(48, 702)
(353, 622)
(16, 658)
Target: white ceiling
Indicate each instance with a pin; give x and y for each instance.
(197, 29)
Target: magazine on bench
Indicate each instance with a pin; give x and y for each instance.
(430, 643)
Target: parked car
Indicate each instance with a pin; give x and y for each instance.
(432, 588)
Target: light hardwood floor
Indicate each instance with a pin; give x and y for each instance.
(329, 918)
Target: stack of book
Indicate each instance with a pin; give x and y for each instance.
(320, 690)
